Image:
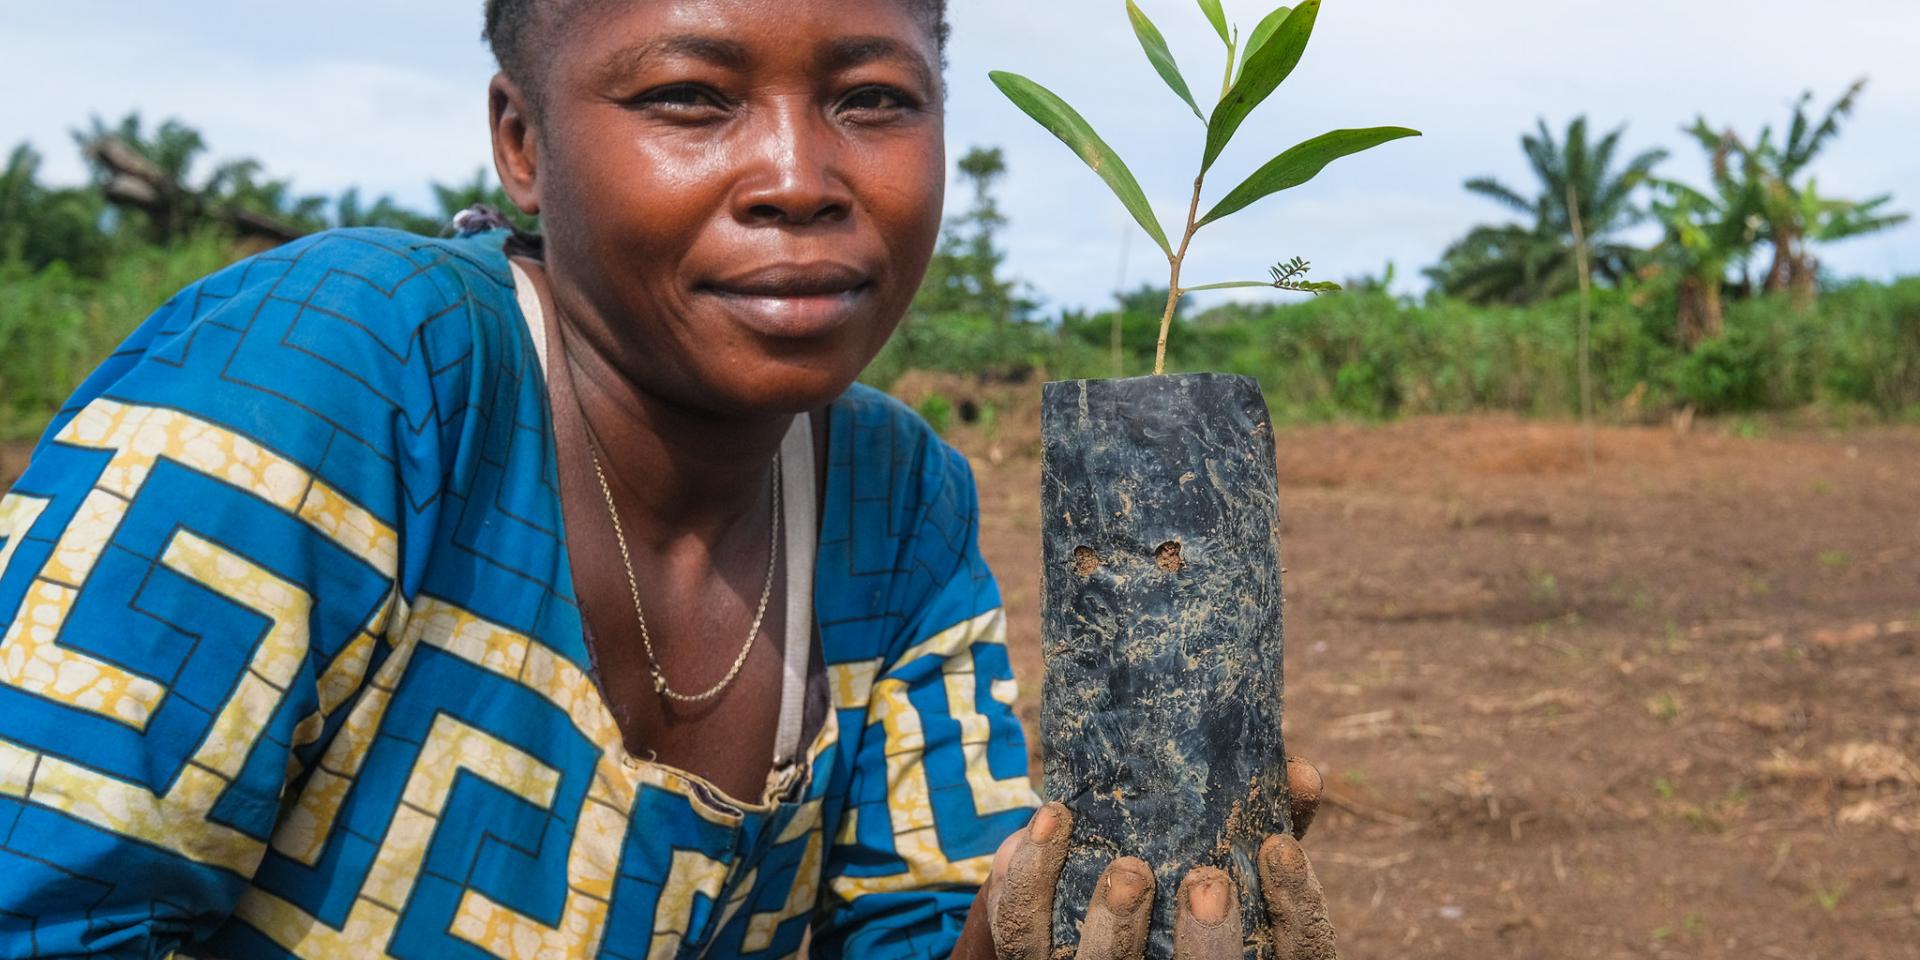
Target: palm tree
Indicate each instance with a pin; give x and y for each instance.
(238, 187)
(1794, 214)
(152, 175)
(1829, 219)
(146, 173)
(1505, 263)
(1535, 260)
(1704, 233)
(172, 148)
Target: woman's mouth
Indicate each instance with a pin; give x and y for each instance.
(791, 300)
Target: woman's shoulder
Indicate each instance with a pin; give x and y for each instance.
(373, 306)
(398, 254)
(372, 334)
(379, 278)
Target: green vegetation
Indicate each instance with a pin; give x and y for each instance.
(1372, 355)
(1727, 313)
(80, 267)
(1534, 261)
(56, 323)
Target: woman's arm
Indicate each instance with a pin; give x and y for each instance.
(196, 573)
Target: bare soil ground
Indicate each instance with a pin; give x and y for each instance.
(1668, 708)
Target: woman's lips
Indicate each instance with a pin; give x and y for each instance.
(794, 300)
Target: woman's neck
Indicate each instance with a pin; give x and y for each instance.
(685, 471)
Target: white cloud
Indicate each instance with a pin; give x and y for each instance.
(321, 111)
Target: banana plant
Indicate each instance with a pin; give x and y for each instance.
(1251, 74)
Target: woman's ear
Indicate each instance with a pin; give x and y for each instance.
(516, 143)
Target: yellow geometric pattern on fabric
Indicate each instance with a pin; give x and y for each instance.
(600, 830)
(692, 872)
(909, 799)
(31, 658)
(805, 891)
(851, 684)
(990, 795)
(741, 891)
(176, 821)
(451, 747)
(304, 827)
(345, 676)
(603, 820)
(503, 932)
(17, 515)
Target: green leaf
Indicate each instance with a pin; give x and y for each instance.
(1160, 56)
(1217, 17)
(1303, 163)
(1264, 32)
(1064, 122)
(1265, 70)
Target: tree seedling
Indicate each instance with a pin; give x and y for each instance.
(1252, 74)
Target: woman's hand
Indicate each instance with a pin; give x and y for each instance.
(1012, 918)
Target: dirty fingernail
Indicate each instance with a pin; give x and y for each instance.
(1044, 823)
(1208, 900)
(1304, 779)
(1124, 888)
(1283, 852)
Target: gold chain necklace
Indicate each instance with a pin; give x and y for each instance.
(660, 685)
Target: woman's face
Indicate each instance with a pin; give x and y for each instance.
(743, 193)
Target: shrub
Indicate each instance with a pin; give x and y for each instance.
(55, 324)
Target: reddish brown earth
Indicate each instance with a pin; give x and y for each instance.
(13, 459)
(1668, 708)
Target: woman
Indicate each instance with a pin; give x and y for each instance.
(550, 598)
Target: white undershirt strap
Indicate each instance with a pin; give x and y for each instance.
(800, 529)
(796, 468)
(536, 317)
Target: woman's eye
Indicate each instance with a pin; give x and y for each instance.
(681, 98)
(876, 101)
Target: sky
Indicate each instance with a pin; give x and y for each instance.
(390, 96)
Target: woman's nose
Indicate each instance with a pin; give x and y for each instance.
(794, 176)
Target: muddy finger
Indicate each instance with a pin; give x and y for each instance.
(1303, 793)
(1021, 908)
(1116, 924)
(1207, 924)
(1296, 908)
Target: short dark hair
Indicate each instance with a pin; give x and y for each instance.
(512, 31)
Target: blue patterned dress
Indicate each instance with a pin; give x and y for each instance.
(293, 664)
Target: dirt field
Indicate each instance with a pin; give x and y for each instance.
(1670, 708)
